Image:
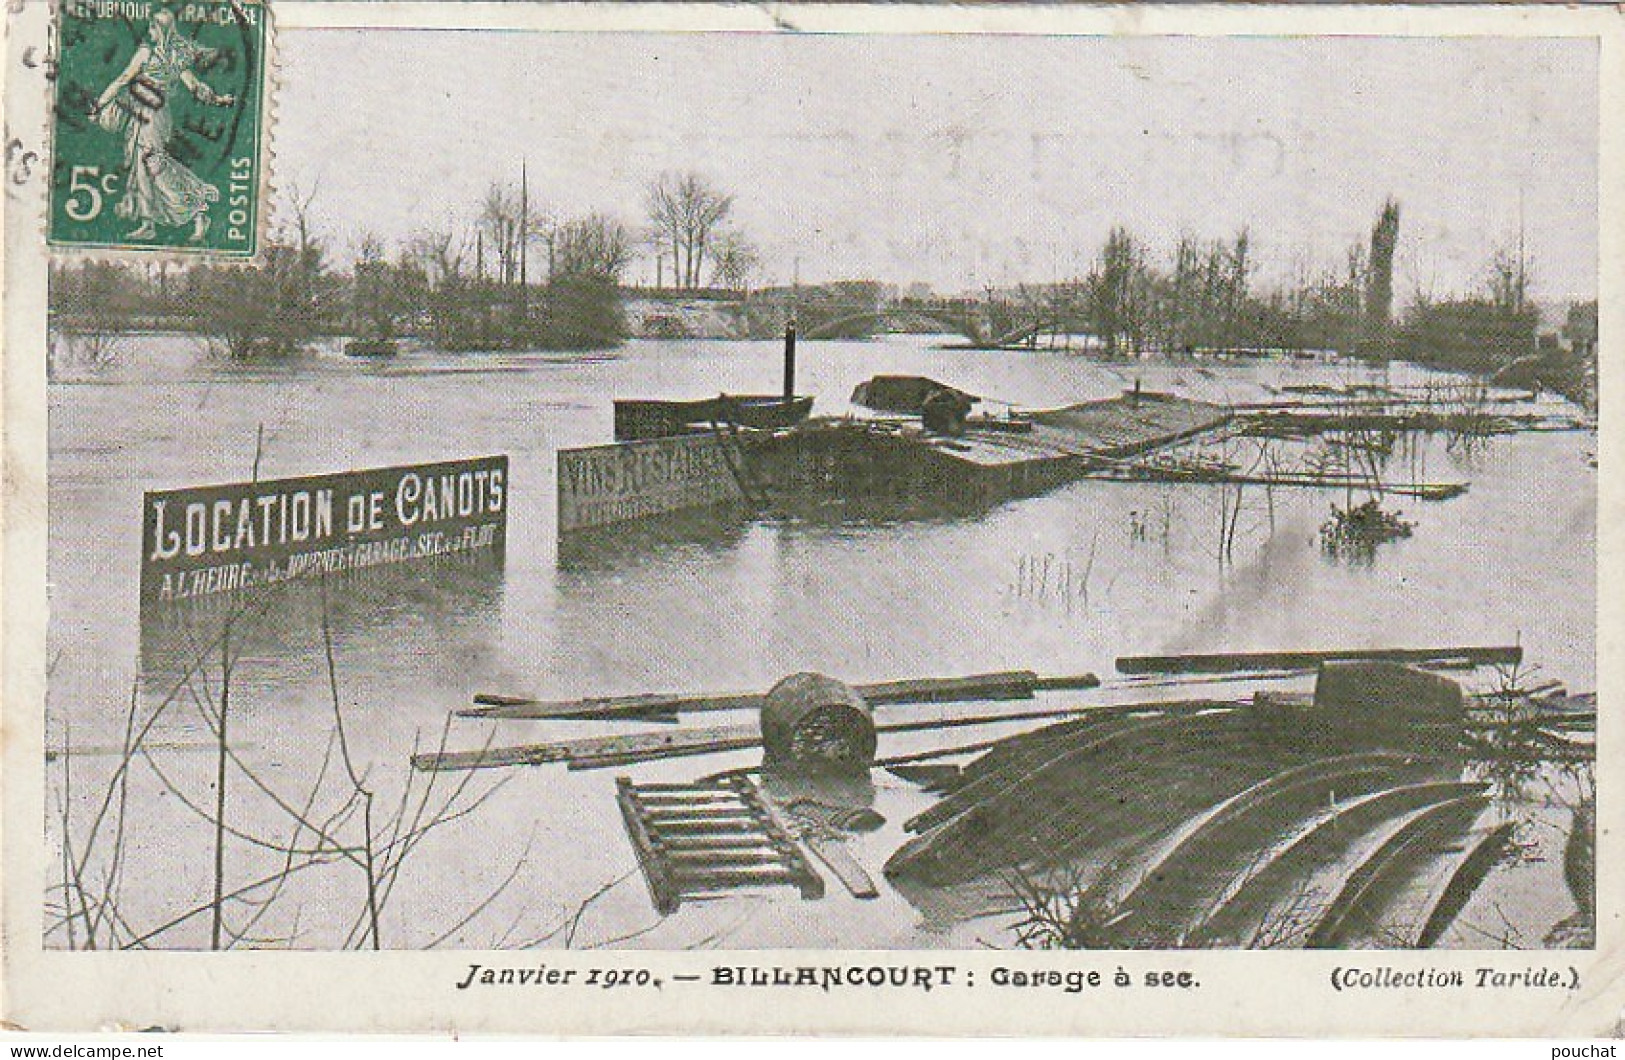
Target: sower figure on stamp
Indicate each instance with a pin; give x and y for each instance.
(158, 189)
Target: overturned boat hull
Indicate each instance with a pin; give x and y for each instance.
(641, 418)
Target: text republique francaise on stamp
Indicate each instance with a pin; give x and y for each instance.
(159, 127)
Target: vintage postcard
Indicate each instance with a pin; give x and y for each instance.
(916, 520)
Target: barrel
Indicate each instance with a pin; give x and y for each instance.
(810, 721)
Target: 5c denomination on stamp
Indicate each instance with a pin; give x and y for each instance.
(159, 126)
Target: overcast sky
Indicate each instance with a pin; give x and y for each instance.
(970, 160)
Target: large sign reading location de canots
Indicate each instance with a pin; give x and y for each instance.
(216, 539)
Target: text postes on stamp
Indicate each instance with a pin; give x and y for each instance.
(159, 126)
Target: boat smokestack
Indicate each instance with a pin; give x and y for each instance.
(789, 362)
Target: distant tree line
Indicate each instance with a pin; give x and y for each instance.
(1203, 297)
(513, 275)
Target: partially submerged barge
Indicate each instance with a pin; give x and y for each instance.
(911, 443)
(688, 455)
(982, 463)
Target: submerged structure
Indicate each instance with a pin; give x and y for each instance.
(913, 442)
(916, 439)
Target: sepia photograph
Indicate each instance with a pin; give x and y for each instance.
(515, 492)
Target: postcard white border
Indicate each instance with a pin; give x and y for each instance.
(1247, 993)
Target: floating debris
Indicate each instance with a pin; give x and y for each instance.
(1243, 664)
(1008, 684)
(1365, 814)
(601, 752)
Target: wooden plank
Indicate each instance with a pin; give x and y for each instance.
(1288, 660)
(694, 878)
(627, 708)
(679, 830)
(640, 747)
(698, 800)
(490, 757)
(1011, 684)
(512, 707)
(1236, 677)
(1066, 682)
(758, 855)
(833, 853)
(1007, 684)
(721, 841)
(1431, 491)
(667, 814)
(739, 824)
(631, 748)
(679, 748)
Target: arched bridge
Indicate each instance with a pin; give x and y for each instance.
(979, 323)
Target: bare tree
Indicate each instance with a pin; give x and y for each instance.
(500, 222)
(303, 286)
(1236, 286)
(379, 289)
(596, 245)
(1509, 279)
(735, 262)
(439, 252)
(686, 213)
(509, 222)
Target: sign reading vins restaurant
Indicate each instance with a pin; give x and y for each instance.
(216, 539)
(606, 484)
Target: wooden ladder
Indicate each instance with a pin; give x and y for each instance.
(694, 839)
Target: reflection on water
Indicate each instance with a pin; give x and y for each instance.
(449, 601)
(822, 515)
(730, 603)
(658, 542)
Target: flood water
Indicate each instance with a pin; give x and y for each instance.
(1060, 584)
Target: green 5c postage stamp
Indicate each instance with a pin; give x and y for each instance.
(159, 127)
